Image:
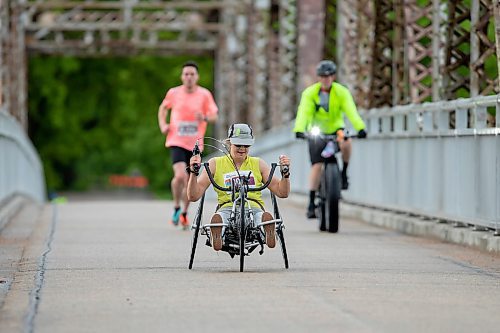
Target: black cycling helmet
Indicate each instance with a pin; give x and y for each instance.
(326, 68)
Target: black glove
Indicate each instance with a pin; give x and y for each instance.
(300, 135)
(362, 134)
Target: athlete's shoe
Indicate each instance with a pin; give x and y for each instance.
(345, 182)
(269, 230)
(311, 211)
(176, 216)
(184, 221)
(216, 233)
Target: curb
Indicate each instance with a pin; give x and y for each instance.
(447, 231)
(9, 208)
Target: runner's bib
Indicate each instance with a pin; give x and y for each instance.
(187, 128)
(232, 178)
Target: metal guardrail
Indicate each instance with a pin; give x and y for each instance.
(437, 160)
(21, 171)
(447, 118)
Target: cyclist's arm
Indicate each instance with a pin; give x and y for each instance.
(349, 108)
(305, 112)
(281, 188)
(198, 185)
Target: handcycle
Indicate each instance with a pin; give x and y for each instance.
(241, 235)
(328, 194)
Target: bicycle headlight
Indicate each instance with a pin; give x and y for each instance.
(315, 131)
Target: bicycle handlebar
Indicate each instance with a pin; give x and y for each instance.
(227, 189)
(309, 136)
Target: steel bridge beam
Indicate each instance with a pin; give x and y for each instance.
(266, 50)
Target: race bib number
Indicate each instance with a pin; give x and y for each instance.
(187, 128)
(232, 178)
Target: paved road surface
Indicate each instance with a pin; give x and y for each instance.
(118, 266)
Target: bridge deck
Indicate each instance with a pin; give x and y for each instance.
(119, 266)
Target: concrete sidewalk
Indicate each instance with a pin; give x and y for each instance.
(483, 240)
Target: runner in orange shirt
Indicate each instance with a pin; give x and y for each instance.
(191, 108)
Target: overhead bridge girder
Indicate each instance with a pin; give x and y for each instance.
(122, 27)
(389, 52)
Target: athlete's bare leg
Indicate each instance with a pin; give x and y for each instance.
(314, 176)
(346, 148)
(179, 183)
(314, 179)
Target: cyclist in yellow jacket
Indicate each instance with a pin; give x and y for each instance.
(323, 105)
(239, 138)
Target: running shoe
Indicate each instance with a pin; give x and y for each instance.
(184, 221)
(345, 181)
(176, 216)
(311, 211)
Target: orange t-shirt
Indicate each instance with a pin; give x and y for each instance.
(185, 128)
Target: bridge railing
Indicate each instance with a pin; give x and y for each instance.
(21, 171)
(437, 160)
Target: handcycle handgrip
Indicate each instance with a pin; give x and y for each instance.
(227, 189)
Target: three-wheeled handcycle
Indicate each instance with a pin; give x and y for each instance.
(241, 234)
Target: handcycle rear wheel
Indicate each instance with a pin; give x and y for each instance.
(279, 230)
(196, 225)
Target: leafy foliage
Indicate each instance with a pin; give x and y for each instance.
(90, 118)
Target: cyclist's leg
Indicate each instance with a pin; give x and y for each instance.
(315, 149)
(269, 229)
(345, 148)
(221, 216)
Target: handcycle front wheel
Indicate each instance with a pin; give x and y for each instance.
(196, 228)
(242, 236)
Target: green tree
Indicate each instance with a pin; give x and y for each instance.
(90, 118)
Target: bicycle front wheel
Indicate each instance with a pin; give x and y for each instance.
(332, 174)
(321, 201)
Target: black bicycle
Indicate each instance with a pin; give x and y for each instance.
(241, 234)
(328, 194)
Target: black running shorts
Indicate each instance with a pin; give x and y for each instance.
(179, 154)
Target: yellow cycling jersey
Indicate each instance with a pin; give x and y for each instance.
(225, 174)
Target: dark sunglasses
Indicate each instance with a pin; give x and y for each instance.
(242, 146)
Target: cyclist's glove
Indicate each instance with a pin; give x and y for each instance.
(362, 134)
(300, 135)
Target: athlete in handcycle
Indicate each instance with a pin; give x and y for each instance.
(240, 224)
